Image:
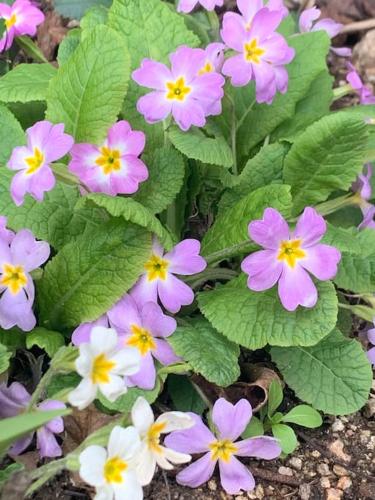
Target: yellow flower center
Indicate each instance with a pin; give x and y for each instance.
(113, 470)
(253, 52)
(178, 90)
(34, 162)
(290, 251)
(14, 278)
(101, 368)
(153, 436)
(156, 268)
(11, 21)
(222, 450)
(142, 339)
(207, 68)
(109, 160)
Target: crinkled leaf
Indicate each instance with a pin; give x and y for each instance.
(90, 274)
(26, 82)
(94, 16)
(230, 230)
(88, 90)
(326, 157)
(48, 340)
(208, 352)
(75, 9)
(11, 135)
(303, 415)
(68, 45)
(5, 356)
(130, 210)
(334, 375)
(255, 319)
(196, 145)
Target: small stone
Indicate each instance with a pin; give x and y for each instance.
(333, 494)
(337, 425)
(304, 491)
(365, 436)
(251, 495)
(285, 471)
(240, 497)
(212, 485)
(369, 410)
(344, 483)
(259, 492)
(337, 448)
(296, 463)
(315, 454)
(323, 470)
(325, 482)
(339, 471)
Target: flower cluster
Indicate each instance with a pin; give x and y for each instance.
(21, 18)
(13, 401)
(19, 255)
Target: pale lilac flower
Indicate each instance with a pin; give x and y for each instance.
(368, 211)
(248, 9)
(113, 167)
(46, 143)
(230, 422)
(112, 470)
(13, 401)
(366, 95)
(262, 53)
(150, 430)
(371, 339)
(212, 58)
(331, 27)
(179, 91)
(21, 18)
(289, 256)
(17, 260)
(159, 280)
(362, 188)
(82, 334)
(144, 328)
(6, 234)
(187, 6)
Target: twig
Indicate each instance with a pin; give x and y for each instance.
(272, 476)
(166, 484)
(312, 443)
(368, 24)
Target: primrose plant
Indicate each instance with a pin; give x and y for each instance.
(176, 193)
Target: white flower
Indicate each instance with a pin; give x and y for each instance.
(112, 472)
(152, 452)
(102, 365)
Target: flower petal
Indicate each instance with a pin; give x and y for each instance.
(156, 322)
(92, 461)
(321, 261)
(231, 420)
(198, 473)
(310, 227)
(142, 415)
(193, 440)
(234, 476)
(263, 269)
(263, 447)
(124, 443)
(269, 231)
(185, 259)
(174, 293)
(296, 288)
(175, 421)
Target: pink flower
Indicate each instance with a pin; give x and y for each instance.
(248, 9)
(362, 187)
(159, 280)
(114, 167)
(82, 333)
(365, 93)
(13, 401)
(144, 328)
(181, 90)
(6, 234)
(187, 6)
(17, 260)
(46, 143)
(331, 27)
(371, 339)
(289, 257)
(262, 53)
(230, 422)
(21, 18)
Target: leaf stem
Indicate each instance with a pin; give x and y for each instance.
(216, 273)
(176, 369)
(226, 253)
(342, 91)
(243, 117)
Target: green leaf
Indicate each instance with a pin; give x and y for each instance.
(130, 210)
(166, 176)
(8, 471)
(94, 16)
(13, 428)
(303, 415)
(275, 397)
(208, 352)
(334, 375)
(31, 49)
(263, 169)
(11, 135)
(196, 145)
(125, 403)
(230, 230)
(90, 274)
(88, 90)
(160, 30)
(309, 62)
(286, 436)
(62, 384)
(48, 340)
(184, 396)
(74, 9)
(5, 356)
(13, 339)
(54, 220)
(255, 319)
(254, 429)
(326, 157)
(68, 45)
(26, 82)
